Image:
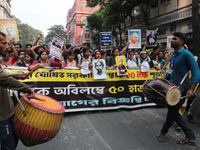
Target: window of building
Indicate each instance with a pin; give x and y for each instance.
(83, 5)
(177, 2)
(94, 8)
(154, 4)
(163, 1)
(189, 12)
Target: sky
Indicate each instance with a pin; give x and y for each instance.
(41, 14)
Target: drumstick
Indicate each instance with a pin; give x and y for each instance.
(184, 78)
(184, 97)
(164, 66)
(20, 104)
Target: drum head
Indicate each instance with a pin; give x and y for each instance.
(173, 96)
(50, 104)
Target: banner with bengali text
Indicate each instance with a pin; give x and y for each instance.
(77, 92)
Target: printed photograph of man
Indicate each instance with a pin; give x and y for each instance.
(10, 32)
(151, 37)
(134, 39)
(99, 67)
(99, 70)
(121, 66)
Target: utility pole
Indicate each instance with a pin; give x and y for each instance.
(195, 27)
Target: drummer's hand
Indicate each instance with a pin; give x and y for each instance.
(23, 76)
(31, 95)
(190, 93)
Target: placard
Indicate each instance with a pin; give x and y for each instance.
(121, 66)
(134, 38)
(151, 36)
(56, 46)
(106, 40)
(9, 27)
(99, 69)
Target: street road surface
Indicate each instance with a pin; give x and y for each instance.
(136, 129)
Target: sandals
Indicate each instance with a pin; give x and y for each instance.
(183, 142)
(161, 138)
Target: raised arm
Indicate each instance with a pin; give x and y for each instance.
(37, 39)
(145, 45)
(124, 49)
(15, 53)
(156, 52)
(64, 48)
(33, 50)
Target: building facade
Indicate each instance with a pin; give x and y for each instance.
(76, 19)
(168, 16)
(5, 9)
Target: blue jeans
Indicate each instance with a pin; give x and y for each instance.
(8, 138)
(173, 115)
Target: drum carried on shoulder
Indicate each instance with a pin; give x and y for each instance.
(161, 92)
(41, 121)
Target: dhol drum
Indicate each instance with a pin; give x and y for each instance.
(41, 121)
(161, 92)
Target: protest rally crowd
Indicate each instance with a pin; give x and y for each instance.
(35, 54)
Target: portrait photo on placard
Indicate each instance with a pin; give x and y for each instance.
(99, 69)
(151, 37)
(134, 38)
(121, 66)
(85, 68)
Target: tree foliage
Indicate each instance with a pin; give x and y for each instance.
(114, 12)
(94, 24)
(27, 34)
(56, 29)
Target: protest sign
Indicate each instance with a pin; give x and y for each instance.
(99, 69)
(56, 46)
(9, 27)
(134, 38)
(85, 68)
(121, 66)
(151, 37)
(106, 40)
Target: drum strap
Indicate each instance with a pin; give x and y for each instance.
(186, 88)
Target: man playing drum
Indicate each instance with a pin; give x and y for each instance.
(182, 62)
(8, 139)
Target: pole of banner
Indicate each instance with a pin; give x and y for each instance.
(164, 65)
(20, 104)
